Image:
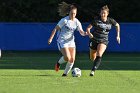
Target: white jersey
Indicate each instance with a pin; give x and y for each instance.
(67, 28)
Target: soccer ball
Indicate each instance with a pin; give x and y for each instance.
(76, 72)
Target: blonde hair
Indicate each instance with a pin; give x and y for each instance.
(64, 8)
(105, 8)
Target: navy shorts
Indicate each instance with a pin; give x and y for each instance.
(94, 43)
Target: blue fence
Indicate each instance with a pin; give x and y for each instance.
(34, 36)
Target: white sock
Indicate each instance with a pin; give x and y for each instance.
(68, 67)
(61, 60)
(0, 53)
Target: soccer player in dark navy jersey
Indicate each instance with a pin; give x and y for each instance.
(99, 36)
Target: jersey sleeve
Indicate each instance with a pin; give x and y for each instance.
(62, 22)
(113, 22)
(79, 26)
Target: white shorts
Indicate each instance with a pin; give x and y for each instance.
(65, 44)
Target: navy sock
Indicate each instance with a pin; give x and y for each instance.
(96, 63)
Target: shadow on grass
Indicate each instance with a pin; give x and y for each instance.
(42, 60)
(26, 75)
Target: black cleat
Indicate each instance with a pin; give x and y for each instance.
(64, 75)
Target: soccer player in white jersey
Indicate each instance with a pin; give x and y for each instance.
(65, 36)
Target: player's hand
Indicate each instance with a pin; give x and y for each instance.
(118, 39)
(49, 41)
(86, 33)
(90, 35)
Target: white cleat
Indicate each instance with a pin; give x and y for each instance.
(92, 73)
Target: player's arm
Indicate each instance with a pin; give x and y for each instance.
(80, 29)
(88, 31)
(53, 33)
(118, 32)
(83, 33)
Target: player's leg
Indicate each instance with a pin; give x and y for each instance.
(100, 50)
(66, 53)
(93, 49)
(65, 58)
(63, 48)
(70, 63)
(0, 53)
(92, 54)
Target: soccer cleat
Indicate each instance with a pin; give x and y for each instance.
(57, 67)
(92, 73)
(64, 75)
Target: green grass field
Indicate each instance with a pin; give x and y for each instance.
(33, 72)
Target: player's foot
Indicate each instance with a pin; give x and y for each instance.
(92, 73)
(64, 75)
(57, 67)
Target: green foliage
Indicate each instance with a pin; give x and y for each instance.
(46, 10)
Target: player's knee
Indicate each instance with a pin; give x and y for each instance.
(72, 60)
(99, 54)
(66, 58)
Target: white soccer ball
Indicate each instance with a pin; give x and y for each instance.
(76, 72)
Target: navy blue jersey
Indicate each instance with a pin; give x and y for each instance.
(101, 29)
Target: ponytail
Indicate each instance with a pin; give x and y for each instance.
(64, 8)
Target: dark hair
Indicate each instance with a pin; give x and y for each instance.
(105, 8)
(64, 8)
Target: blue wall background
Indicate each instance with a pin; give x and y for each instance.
(34, 36)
